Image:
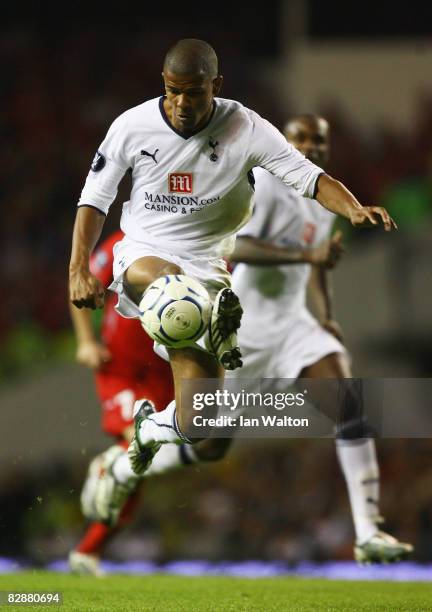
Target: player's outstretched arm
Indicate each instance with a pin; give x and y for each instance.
(258, 252)
(334, 196)
(84, 289)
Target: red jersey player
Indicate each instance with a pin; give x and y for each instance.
(126, 368)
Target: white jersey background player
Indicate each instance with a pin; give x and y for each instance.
(276, 296)
(279, 337)
(190, 153)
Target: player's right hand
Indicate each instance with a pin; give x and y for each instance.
(92, 354)
(328, 253)
(85, 290)
(368, 216)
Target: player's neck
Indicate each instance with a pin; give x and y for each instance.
(187, 133)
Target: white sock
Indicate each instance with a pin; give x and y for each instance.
(161, 427)
(122, 469)
(359, 465)
(167, 458)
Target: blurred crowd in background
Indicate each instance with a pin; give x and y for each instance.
(61, 90)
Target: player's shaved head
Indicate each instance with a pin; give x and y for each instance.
(191, 56)
(313, 122)
(191, 80)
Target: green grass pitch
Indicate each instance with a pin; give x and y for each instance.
(177, 593)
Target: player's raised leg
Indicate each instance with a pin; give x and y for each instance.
(187, 363)
(357, 457)
(174, 424)
(121, 475)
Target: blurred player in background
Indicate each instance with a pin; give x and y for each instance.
(190, 153)
(126, 369)
(289, 342)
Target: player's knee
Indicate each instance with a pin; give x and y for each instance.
(352, 422)
(139, 277)
(170, 268)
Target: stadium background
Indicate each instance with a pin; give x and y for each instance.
(65, 77)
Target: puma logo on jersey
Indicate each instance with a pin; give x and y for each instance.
(152, 155)
(180, 182)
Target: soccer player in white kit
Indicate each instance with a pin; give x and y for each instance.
(289, 342)
(190, 153)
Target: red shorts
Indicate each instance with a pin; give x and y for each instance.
(117, 395)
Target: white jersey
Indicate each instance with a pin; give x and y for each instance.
(191, 195)
(272, 295)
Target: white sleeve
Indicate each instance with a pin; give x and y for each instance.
(264, 200)
(108, 167)
(270, 150)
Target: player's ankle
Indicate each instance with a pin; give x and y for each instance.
(367, 531)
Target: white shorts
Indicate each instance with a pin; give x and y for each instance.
(211, 273)
(304, 342)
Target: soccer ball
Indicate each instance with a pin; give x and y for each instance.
(175, 310)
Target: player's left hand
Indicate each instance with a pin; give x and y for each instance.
(92, 354)
(334, 329)
(368, 216)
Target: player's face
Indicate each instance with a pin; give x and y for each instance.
(189, 100)
(311, 139)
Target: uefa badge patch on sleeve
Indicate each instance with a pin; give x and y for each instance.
(98, 162)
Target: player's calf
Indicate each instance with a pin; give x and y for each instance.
(212, 449)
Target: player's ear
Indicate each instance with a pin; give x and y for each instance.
(217, 84)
